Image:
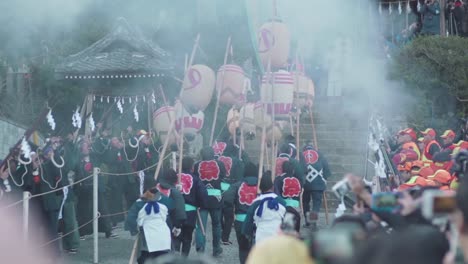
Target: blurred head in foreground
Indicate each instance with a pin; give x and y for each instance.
(278, 250)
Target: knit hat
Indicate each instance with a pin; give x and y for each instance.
(278, 250)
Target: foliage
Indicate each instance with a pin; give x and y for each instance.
(434, 70)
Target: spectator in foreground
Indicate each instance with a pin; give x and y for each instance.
(279, 250)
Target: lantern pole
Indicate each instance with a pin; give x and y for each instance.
(181, 148)
(272, 80)
(215, 116)
(298, 111)
(263, 140)
(172, 126)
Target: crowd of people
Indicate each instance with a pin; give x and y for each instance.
(269, 210)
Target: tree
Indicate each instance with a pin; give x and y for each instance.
(434, 69)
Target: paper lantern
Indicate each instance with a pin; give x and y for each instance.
(192, 123)
(232, 84)
(247, 120)
(274, 131)
(260, 117)
(274, 43)
(161, 122)
(277, 92)
(304, 90)
(198, 85)
(232, 121)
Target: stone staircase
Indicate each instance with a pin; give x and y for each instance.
(342, 137)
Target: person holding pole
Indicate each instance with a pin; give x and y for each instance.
(149, 215)
(241, 196)
(211, 172)
(317, 173)
(289, 187)
(195, 194)
(234, 173)
(265, 215)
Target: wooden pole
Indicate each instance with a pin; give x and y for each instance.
(443, 26)
(134, 250)
(163, 151)
(325, 202)
(218, 95)
(262, 154)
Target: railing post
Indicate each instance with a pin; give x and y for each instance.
(26, 197)
(95, 215)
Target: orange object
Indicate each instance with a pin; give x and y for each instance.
(448, 133)
(412, 146)
(415, 181)
(441, 176)
(426, 155)
(430, 132)
(408, 131)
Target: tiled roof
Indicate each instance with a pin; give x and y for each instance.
(123, 50)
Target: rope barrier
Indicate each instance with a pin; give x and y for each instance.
(79, 181)
(130, 173)
(81, 226)
(76, 229)
(41, 194)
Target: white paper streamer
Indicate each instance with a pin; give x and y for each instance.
(380, 8)
(119, 106)
(94, 97)
(390, 9)
(76, 118)
(136, 99)
(144, 98)
(400, 9)
(123, 100)
(92, 125)
(408, 7)
(153, 98)
(130, 99)
(135, 113)
(107, 99)
(50, 120)
(101, 99)
(25, 148)
(419, 6)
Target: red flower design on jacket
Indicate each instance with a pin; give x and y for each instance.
(247, 193)
(291, 187)
(208, 170)
(186, 180)
(310, 156)
(279, 165)
(88, 166)
(36, 179)
(227, 161)
(219, 148)
(165, 192)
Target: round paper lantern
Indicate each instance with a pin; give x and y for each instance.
(161, 122)
(274, 43)
(274, 131)
(277, 90)
(247, 120)
(199, 83)
(260, 117)
(232, 84)
(191, 123)
(232, 121)
(304, 90)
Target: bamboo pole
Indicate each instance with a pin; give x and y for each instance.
(325, 202)
(218, 95)
(172, 126)
(262, 153)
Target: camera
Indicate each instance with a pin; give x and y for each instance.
(438, 204)
(341, 188)
(385, 202)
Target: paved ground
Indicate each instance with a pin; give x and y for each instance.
(118, 250)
